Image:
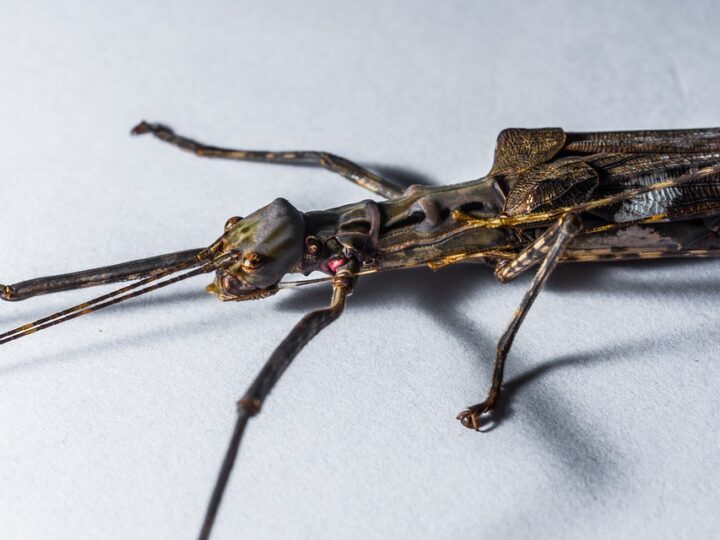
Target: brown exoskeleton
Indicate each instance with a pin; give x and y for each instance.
(550, 197)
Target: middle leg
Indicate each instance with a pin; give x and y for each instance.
(551, 244)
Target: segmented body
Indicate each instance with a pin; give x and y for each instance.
(550, 197)
(418, 227)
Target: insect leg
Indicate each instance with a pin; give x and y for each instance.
(344, 167)
(251, 402)
(128, 271)
(508, 270)
(557, 238)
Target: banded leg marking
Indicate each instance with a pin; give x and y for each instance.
(344, 167)
(251, 402)
(128, 271)
(568, 227)
(508, 270)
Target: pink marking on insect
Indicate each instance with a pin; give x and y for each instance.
(334, 264)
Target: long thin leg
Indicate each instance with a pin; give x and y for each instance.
(344, 167)
(251, 402)
(127, 271)
(565, 230)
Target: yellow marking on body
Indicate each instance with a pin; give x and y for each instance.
(603, 228)
(496, 253)
(614, 226)
(638, 254)
(505, 220)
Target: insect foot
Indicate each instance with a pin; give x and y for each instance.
(142, 127)
(146, 127)
(472, 417)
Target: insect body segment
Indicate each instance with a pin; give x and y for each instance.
(268, 244)
(551, 197)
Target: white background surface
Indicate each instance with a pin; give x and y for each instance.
(114, 425)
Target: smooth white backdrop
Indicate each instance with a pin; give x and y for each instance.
(113, 426)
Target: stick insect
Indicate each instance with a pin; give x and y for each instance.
(551, 197)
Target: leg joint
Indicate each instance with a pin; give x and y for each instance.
(327, 160)
(250, 406)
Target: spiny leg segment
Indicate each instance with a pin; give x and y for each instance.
(551, 245)
(344, 167)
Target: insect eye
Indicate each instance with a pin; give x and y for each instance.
(232, 221)
(252, 261)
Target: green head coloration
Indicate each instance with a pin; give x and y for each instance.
(267, 244)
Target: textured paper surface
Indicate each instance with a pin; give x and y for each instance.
(113, 426)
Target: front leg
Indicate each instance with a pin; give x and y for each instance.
(549, 247)
(251, 402)
(337, 164)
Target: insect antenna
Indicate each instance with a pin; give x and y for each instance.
(327, 279)
(120, 295)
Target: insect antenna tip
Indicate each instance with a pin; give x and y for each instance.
(6, 292)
